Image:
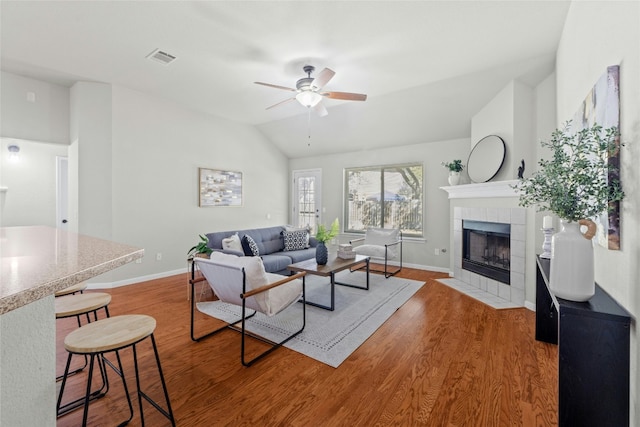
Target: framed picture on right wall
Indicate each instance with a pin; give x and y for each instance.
(602, 106)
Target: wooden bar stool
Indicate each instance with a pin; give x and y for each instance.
(112, 335)
(79, 287)
(78, 306)
(83, 304)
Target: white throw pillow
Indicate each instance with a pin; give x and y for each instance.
(232, 243)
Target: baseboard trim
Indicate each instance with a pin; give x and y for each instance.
(427, 267)
(109, 285)
(531, 306)
(134, 280)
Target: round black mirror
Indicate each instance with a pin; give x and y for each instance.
(486, 158)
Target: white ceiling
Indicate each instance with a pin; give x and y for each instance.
(426, 66)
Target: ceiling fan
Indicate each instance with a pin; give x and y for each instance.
(309, 92)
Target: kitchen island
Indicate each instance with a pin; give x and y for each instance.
(37, 261)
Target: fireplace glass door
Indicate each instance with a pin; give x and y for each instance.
(486, 249)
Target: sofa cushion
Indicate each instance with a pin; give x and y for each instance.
(249, 246)
(229, 252)
(269, 241)
(215, 238)
(300, 255)
(275, 263)
(295, 240)
(272, 246)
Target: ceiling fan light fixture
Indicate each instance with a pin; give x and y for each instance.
(308, 91)
(308, 98)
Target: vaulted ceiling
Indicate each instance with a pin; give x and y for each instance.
(426, 66)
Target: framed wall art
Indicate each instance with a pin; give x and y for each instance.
(602, 106)
(217, 187)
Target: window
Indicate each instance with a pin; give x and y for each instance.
(384, 196)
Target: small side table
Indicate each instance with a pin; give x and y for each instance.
(593, 354)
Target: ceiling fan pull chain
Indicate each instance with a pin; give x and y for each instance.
(309, 127)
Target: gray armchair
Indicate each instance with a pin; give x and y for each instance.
(384, 245)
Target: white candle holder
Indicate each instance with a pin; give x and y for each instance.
(546, 245)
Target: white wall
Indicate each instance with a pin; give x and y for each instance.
(524, 144)
(510, 115)
(90, 159)
(545, 124)
(157, 149)
(496, 118)
(521, 116)
(417, 252)
(133, 164)
(44, 119)
(597, 35)
(31, 182)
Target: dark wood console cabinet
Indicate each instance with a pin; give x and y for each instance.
(593, 354)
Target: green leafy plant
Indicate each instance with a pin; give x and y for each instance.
(576, 182)
(454, 166)
(323, 235)
(201, 247)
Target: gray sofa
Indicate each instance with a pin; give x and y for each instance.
(270, 243)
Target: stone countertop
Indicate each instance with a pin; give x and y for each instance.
(38, 261)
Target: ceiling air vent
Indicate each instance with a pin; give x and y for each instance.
(162, 57)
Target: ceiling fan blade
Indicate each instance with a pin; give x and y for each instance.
(275, 86)
(320, 109)
(347, 96)
(322, 79)
(281, 103)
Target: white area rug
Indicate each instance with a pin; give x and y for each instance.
(329, 336)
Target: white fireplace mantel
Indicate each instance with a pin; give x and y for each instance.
(482, 190)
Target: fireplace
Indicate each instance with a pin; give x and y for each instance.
(511, 292)
(486, 249)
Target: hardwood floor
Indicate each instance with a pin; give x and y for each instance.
(443, 359)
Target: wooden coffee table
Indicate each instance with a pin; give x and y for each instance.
(333, 266)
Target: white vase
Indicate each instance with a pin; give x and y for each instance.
(571, 275)
(454, 178)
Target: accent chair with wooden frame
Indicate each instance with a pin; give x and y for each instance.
(383, 244)
(242, 281)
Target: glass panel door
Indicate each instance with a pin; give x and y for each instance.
(307, 198)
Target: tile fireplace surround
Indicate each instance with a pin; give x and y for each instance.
(489, 291)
